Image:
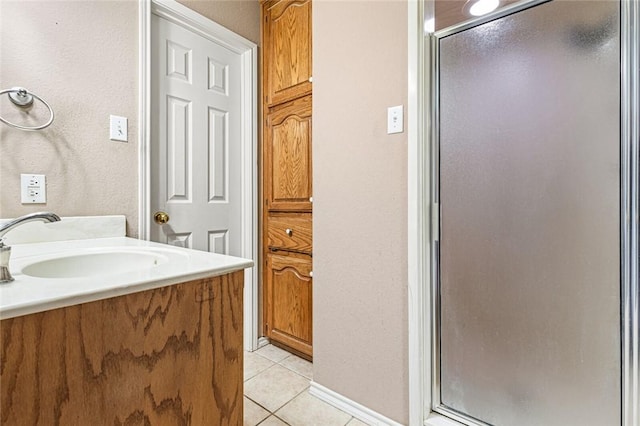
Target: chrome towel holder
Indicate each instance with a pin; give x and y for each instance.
(22, 98)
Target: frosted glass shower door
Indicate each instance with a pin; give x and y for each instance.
(529, 188)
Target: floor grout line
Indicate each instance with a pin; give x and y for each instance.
(294, 397)
(259, 405)
(259, 373)
(280, 363)
(282, 420)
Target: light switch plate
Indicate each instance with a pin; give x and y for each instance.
(395, 119)
(118, 130)
(33, 189)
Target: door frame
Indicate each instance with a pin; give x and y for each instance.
(423, 213)
(248, 51)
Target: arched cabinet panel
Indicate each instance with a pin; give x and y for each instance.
(288, 156)
(287, 46)
(289, 296)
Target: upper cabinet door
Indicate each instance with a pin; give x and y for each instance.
(287, 49)
(287, 151)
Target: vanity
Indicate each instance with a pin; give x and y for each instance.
(114, 330)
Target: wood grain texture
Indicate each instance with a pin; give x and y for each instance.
(287, 47)
(169, 356)
(289, 306)
(288, 169)
(299, 237)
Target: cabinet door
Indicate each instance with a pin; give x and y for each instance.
(287, 49)
(289, 294)
(288, 156)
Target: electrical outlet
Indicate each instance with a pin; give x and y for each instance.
(33, 189)
(118, 128)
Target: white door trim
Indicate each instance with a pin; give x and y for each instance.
(419, 216)
(248, 51)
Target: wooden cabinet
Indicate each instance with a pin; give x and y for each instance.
(287, 49)
(167, 356)
(287, 145)
(287, 174)
(289, 301)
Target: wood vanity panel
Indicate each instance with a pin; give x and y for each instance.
(299, 236)
(168, 356)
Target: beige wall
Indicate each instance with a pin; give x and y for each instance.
(82, 58)
(240, 16)
(360, 203)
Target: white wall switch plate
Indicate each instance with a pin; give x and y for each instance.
(395, 119)
(118, 130)
(33, 189)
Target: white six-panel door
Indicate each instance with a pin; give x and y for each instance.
(195, 140)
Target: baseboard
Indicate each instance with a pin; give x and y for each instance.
(262, 341)
(349, 406)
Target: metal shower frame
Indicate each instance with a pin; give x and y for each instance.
(629, 206)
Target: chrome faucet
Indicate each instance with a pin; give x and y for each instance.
(5, 251)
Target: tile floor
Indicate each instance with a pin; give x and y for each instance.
(276, 392)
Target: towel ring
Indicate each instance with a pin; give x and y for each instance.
(24, 99)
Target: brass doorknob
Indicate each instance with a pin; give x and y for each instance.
(161, 218)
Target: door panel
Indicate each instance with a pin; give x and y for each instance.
(195, 137)
(179, 172)
(289, 301)
(530, 205)
(288, 156)
(287, 41)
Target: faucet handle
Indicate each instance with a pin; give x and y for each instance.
(5, 254)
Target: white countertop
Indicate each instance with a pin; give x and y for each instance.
(28, 294)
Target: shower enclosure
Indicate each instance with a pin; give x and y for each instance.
(535, 169)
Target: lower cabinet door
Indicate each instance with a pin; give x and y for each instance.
(289, 301)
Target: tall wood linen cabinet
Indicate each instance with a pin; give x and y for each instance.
(286, 174)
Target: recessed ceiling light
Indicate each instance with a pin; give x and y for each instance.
(480, 7)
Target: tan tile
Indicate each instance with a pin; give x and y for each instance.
(274, 387)
(307, 410)
(254, 364)
(253, 413)
(273, 421)
(273, 353)
(356, 422)
(299, 365)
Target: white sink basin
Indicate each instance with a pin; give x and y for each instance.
(55, 274)
(97, 263)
